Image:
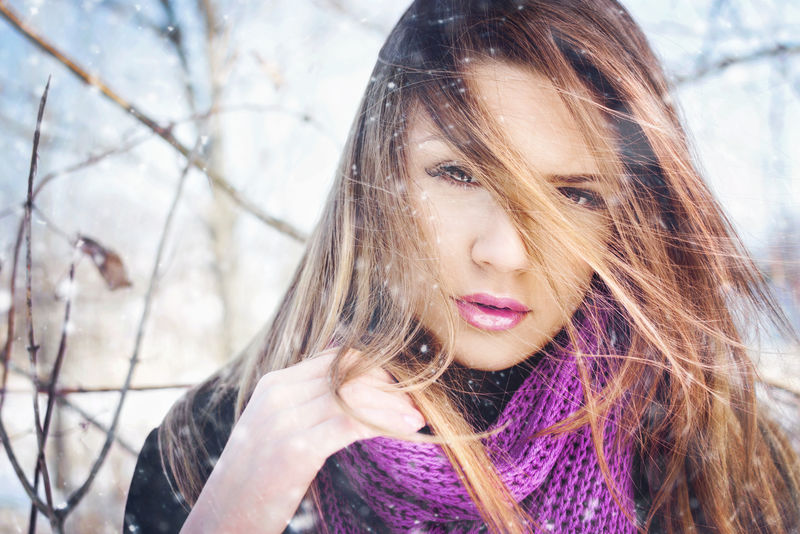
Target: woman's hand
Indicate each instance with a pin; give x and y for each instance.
(290, 426)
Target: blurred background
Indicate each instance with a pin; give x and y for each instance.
(262, 94)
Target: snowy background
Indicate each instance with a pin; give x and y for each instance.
(271, 86)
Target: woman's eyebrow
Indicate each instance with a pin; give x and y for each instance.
(432, 138)
(573, 178)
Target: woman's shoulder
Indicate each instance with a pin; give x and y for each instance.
(154, 503)
(213, 415)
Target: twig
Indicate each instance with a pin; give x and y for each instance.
(95, 423)
(780, 49)
(41, 465)
(174, 35)
(63, 401)
(301, 116)
(80, 165)
(25, 228)
(33, 348)
(78, 390)
(165, 133)
(79, 493)
(53, 227)
(110, 389)
(89, 161)
(26, 486)
(76, 69)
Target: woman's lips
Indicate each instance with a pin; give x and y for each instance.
(488, 312)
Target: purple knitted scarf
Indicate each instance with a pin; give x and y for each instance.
(412, 487)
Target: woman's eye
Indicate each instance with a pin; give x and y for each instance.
(453, 174)
(582, 197)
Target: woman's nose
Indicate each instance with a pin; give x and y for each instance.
(497, 243)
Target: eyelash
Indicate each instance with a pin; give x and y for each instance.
(456, 176)
(582, 197)
(452, 174)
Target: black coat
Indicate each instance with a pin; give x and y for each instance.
(153, 506)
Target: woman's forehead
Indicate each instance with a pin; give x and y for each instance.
(529, 112)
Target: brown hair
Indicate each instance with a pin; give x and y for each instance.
(689, 293)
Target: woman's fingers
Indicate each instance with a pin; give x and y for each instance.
(316, 403)
(362, 398)
(335, 433)
(278, 397)
(289, 388)
(275, 397)
(291, 425)
(318, 366)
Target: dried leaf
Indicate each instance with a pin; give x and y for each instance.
(107, 262)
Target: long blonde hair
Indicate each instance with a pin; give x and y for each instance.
(689, 293)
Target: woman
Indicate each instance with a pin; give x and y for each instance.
(521, 288)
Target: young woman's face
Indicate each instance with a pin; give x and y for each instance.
(504, 305)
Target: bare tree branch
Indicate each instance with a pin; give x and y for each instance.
(53, 227)
(26, 486)
(110, 389)
(174, 34)
(33, 348)
(301, 116)
(57, 516)
(66, 403)
(41, 465)
(96, 424)
(165, 133)
(90, 160)
(25, 228)
(79, 493)
(78, 390)
(715, 67)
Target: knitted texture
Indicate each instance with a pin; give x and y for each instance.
(412, 487)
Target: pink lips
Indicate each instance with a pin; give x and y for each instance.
(488, 312)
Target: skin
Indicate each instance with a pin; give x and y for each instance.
(292, 422)
(291, 425)
(479, 248)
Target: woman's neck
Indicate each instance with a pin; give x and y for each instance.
(484, 394)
